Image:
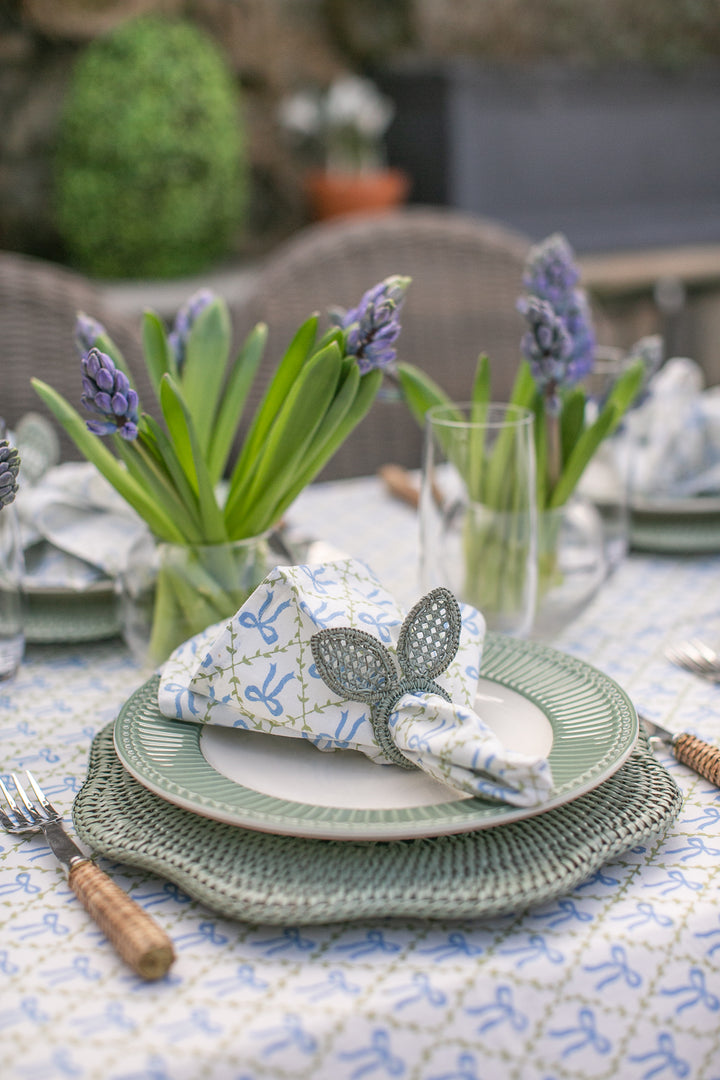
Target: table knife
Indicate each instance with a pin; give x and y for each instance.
(702, 757)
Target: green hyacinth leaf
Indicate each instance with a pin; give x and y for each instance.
(185, 437)
(153, 476)
(233, 400)
(165, 453)
(351, 403)
(280, 386)
(420, 391)
(203, 373)
(572, 421)
(159, 357)
(91, 447)
(287, 443)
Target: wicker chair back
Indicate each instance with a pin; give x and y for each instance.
(38, 305)
(467, 275)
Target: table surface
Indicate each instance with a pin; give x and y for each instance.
(621, 978)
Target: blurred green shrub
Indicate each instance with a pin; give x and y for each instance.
(150, 176)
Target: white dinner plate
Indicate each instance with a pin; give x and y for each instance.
(534, 697)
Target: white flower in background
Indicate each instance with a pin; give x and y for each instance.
(345, 123)
(356, 102)
(301, 113)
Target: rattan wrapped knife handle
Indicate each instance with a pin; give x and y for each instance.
(399, 483)
(702, 757)
(136, 936)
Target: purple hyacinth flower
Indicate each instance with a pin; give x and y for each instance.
(547, 346)
(578, 323)
(184, 320)
(373, 326)
(87, 332)
(9, 469)
(552, 276)
(550, 271)
(109, 396)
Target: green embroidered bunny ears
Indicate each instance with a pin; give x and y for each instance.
(357, 666)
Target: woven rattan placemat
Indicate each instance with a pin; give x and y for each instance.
(261, 877)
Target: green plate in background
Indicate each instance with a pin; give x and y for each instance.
(669, 526)
(54, 615)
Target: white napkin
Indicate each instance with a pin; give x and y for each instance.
(258, 672)
(75, 528)
(672, 441)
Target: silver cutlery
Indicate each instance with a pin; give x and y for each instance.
(695, 656)
(700, 756)
(135, 935)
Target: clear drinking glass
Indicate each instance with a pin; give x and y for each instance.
(478, 510)
(12, 634)
(605, 481)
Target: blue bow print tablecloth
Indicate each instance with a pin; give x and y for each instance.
(620, 978)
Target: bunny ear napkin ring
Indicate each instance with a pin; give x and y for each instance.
(357, 666)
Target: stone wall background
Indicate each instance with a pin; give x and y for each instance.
(274, 46)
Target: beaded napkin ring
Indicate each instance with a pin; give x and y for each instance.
(357, 666)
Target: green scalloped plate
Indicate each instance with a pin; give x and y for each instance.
(532, 695)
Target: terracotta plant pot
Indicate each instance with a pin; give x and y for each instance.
(332, 194)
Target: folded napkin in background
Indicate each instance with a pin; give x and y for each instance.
(672, 440)
(75, 528)
(37, 440)
(258, 672)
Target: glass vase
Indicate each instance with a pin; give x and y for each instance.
(172, 592)
(478, 513)
(572, 563)
(12, 569)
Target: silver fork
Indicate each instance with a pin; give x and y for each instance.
(136, 936)
(694, 655)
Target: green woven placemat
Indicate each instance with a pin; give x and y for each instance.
(261, 877)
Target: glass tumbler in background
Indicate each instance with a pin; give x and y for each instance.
(12, 568)
(605, 481)
(478, 511)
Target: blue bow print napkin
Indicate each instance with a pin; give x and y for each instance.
(672, 441)
(265, 670)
